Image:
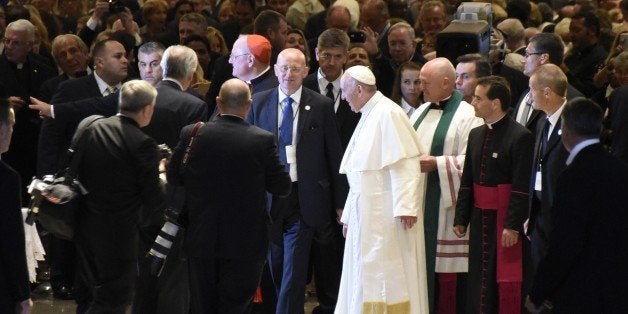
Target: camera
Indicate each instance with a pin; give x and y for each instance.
(163, 243)
(116, 6)
(37, 189)
(164, 151)
(357, 37)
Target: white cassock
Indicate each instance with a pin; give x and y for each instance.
(384, 265)
(451, 252)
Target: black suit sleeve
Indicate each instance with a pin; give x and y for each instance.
(173, 171)
(567, 240)
(148, 176)
(521, 163)
(12, 251)
(333, 152)
(75, 111)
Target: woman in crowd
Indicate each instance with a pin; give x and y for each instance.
(406, 91)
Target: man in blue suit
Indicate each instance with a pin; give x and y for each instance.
(309, 147)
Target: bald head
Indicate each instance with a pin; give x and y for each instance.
(234, 98)
(438, 79)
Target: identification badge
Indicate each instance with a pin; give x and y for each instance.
(538, 185)
(291, 154)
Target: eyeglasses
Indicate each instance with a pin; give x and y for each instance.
(284, 69)
(527, 54)
(9, 42)
(233, 57)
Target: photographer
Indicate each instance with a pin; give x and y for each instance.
(120, 171)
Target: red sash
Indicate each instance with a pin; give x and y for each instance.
(509, 266)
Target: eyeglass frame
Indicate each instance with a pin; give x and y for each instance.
(283, 69)
(234, 57)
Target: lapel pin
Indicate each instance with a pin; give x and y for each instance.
(494, 155)
(307, 107)
(560, 132)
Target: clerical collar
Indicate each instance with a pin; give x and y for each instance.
(491, 125)
(259, 75)
(87, 71)
(441, 104)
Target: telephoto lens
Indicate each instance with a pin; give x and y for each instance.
(161, 247)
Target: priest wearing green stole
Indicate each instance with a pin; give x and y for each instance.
(443, 124)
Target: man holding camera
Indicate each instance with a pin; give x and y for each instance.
(120, 172)
(227, 238)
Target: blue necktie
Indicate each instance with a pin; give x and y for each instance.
(285, 132)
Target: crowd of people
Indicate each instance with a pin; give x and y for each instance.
(321, 147)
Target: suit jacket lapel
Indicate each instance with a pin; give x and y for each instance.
(304, 113)
(554, 139)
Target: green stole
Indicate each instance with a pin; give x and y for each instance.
(432, 193)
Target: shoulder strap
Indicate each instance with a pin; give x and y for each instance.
(188, 149)
(76, 150)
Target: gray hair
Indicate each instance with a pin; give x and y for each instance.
(333, 38)
(403, 25)
(179, 62)
(65, 39)
(135, 95)
(23, 25)
(195, 18)
(152, 47)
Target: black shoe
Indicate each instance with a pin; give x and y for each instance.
(63, 293)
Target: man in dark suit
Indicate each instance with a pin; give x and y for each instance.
(401, 48)
(71, 55)
(548, 86)
(22, 73)
(110, 69)
(585, 265)
(310, 149)
(331, 53)
(15, 296)
(175, 108)
(227, 239)
(543, 48)
(120, 171)
(326, 259)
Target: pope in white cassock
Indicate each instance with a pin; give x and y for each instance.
(384, 261)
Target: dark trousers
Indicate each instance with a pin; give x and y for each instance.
(104, 284)
(223, 285)
(62, 259)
